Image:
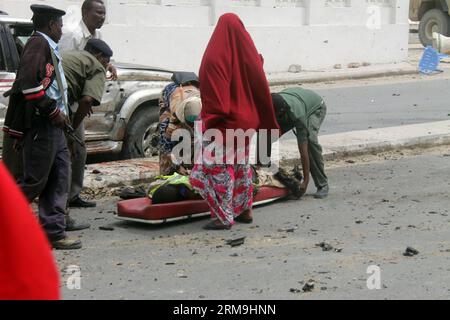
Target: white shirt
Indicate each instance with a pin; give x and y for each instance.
(77, 38)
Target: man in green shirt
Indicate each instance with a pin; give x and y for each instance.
(85, 73)
(303, 111)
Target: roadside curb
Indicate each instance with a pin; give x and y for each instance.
(106, 178)
(348, 75)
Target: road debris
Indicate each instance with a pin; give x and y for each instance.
(294, 290)
(288, 229)
(181, 274)
(106, 228)
(295, 68)
(354, 65)
(325, 246)
(410, 252)
(309, 286)
(235, 241)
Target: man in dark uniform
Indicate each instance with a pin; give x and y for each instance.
(37, 116)
(85, 73)
(304, 111)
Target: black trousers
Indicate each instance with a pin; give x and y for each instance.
(46, 172)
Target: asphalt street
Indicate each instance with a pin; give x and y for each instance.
(378, 206)
(380, 103)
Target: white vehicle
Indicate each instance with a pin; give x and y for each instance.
(127, 118)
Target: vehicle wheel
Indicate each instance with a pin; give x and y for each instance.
(140, 133)
(434, 20)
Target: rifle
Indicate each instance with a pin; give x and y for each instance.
(70, 131)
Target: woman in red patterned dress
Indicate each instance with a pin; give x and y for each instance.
(235, 95)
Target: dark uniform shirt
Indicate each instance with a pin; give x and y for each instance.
(302, 104)
(85, 76)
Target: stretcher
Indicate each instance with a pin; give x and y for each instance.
(142, 210)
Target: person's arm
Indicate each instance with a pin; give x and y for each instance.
(84, 109)
(304, 155)
(113, 70)
(35, 75)
(302, 142)
(91, 95)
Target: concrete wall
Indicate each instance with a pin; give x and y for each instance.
(313, 33)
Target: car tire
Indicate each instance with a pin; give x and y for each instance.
(434, 20)
(140, 132)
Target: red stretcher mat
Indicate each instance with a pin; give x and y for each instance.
(142, 209)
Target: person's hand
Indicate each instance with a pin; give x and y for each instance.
(17, 145)
(183, 171)
(304, 187)
(113, 72)
(60, 121)
(85, 106)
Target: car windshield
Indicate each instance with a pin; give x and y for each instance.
(21, 34)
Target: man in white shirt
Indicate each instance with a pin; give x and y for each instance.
(93, 18)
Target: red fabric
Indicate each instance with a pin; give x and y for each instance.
(27, 267)
(234, 89)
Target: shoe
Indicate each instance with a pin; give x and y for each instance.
(322, 193)
(212, 225)
(77, 202)
(72, 225)
(66, 244)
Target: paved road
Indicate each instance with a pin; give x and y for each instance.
(377, 106)
(374, 212)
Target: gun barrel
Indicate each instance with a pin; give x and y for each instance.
(71, 132)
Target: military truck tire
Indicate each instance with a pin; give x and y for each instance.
(434, 20)
(140, 130)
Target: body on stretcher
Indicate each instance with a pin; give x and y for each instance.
(142, 209)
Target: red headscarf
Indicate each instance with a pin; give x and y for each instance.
(27, 268)
(234, 89)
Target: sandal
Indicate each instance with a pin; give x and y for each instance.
(212, 225)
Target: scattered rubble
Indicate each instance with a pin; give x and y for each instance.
(235, 241)
(106, 228)
(325, 246)
(295, 68)
(309, 286)
(181, 274)
(354, 65)
(288, 229)
(410, 252)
